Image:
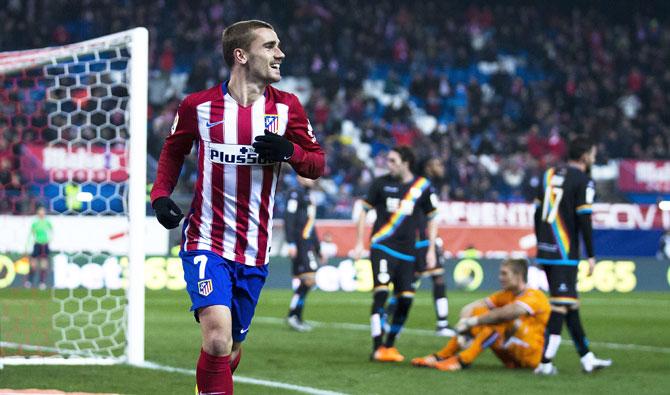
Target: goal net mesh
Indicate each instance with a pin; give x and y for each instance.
(65, 132)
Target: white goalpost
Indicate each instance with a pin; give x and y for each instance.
(77, 119)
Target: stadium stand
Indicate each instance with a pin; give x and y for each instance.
(496, 90)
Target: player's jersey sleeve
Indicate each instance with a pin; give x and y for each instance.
(538, 202)
(586, 192)
(308, 158)
(534, 302)
(429, 202)
(497, 299)
(177, 145)
(374, 196)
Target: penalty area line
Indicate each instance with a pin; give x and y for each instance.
(244, 380)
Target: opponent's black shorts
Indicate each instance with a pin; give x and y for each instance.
(40, 251)
(562, 281)
(420, 263)
(386, 269)
(304, 261)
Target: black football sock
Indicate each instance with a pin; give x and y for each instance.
(298, 301)
(574, 324)
(552, 336)
(399, 318)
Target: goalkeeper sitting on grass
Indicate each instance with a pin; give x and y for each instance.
(511, 322)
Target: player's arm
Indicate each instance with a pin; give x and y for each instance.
(297, 146)
(466, 311)
(508, 312)
(430, 208)
(431, 254)
(314, 239)
(177, 145)
(308, 158)
(31, 237)
(585, 197)
(374, 196)
(360, 228)
(539, 196)
(290, 223)
(505, 313)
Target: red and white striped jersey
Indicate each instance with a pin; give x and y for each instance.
(231, 211)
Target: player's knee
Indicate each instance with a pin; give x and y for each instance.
(217, 343)
(308, 281)
(438, 279)
(378, 300)
(405, 301)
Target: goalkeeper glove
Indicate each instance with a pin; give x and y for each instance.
(167, 212)
(273, 147)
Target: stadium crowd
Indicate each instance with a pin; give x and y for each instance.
(495, 90)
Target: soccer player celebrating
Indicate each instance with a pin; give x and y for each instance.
(511, 321)
(397, 198)
(303, 248)
(562, 213)
(242, 130)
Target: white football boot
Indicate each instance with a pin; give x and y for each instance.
(590, 363)
(546, 369)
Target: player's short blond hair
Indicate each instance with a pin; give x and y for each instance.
(518, 266)
(240, 35)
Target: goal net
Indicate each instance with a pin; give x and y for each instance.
(73, 140)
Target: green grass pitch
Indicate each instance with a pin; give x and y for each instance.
(631, 329)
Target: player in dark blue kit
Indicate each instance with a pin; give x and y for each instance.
(304, 248)
(397, 199)
(562, 214)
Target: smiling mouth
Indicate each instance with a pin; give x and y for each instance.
(274, 66)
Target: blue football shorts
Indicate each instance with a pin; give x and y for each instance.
(212, 280)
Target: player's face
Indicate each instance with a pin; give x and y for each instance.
(265, 57)
(395, 164)
(435, 168)
(41, 212)
(509, 280)
(590, 157)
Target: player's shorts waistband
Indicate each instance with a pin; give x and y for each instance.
(564, 262)
(563, 300)
(422, 244)
(392, 252)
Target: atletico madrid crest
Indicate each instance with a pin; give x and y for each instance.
(205, 287)
(272, 123)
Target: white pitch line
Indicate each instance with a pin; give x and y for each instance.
(245, 380)
(426, 332)
(148, 365)
(587, 302)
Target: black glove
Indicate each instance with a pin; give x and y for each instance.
(273, 147)
(167, 212)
